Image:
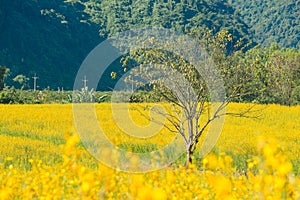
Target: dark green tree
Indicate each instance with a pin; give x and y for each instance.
(22, 80)
(3, 74)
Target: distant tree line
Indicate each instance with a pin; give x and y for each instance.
(274, 74)
(268, 75)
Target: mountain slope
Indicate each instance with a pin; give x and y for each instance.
(46, 38)
(181, 15)
(272, 21)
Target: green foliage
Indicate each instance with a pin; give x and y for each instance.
(284, 70)
(9, 96)
(184, 16)
(83, 96)
(145, 96)
(3, 71)
(296, 95)
(272, 21)
(269, 75)
(15, 96)
(22, 80)
(138, 148)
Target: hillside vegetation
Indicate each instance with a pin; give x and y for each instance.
(271, 21)
(52, 38)
(46, 38)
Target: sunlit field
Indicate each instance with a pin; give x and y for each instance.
(41, 157)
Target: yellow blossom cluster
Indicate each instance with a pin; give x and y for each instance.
(41, 157)
(216, 179)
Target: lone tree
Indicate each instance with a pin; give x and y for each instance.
(190, 84)
(180, 71)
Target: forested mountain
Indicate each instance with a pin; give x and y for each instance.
(272, 21)
(46, 38)
(181, 15)
(51, 38)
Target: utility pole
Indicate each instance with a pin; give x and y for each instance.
(85, 82)
(34, 82)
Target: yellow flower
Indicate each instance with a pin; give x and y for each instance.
(284, 169)
(5, 193)
(204, 162)
(45, 166)
(85, 186)
(9, 158)
(148, 193)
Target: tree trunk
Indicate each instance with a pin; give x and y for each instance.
(189, 159)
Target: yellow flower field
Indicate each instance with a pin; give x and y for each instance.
(41, 157)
